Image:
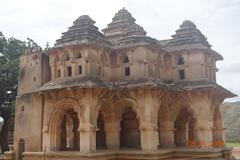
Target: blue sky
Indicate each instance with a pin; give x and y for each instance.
(219, 21)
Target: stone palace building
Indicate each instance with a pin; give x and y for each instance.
(120, 94)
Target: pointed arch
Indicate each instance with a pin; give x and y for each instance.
(56, 120)
(185, 127)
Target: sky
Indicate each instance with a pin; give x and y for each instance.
(219, 20)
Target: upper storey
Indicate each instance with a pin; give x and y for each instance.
(123, 53)
(191, 55)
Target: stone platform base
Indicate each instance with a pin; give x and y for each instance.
(161, 154)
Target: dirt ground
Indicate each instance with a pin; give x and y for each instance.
(236, 152)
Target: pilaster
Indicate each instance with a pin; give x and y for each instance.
(149, 136)
(87, 137)
(204, 134)
(113, 134)
(166, 132)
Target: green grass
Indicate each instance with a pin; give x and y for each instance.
(232, 144)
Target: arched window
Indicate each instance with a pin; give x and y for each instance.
(69, 71)
(180, 60)
(126, 60)
(58, 73)
(78, 55)
(181, 74)
(127, 71)
(66, 57)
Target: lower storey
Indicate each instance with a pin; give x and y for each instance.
(161, 154)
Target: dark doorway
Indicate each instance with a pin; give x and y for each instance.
(69, 71)
(70, 138)
(100, 134)
(130, 134)
(185, 129)
(21, 148)
(181, 74)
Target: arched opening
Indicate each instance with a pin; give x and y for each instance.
(184, 128)
(217, 129)
(130, 133)
(180, 60)
(66, 57)
(70, 138)
(126, 59)
(21, 148)
(78, 56)
(100, 134)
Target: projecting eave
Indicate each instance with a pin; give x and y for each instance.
(202, 85)
(81, 82)
(104, 43)
(53, 50)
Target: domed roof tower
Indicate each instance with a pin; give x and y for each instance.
(124, 30)
(189, 34)
(83, 30)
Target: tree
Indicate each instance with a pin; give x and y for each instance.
(10, 51)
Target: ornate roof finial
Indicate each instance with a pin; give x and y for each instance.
(123, 14)
(188, 24)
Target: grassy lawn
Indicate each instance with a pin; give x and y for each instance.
(231, 144)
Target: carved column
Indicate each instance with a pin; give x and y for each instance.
(87, 137)
(112, 129)
(149, 136)
(166, 132)
(204, 134)
(88, 124)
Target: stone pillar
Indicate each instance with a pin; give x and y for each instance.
(53, 74)
(181, 136)
(149, 136)
(112, 130)
(166, 132)
(204, 134)
(87, 137)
